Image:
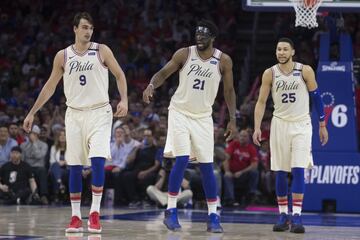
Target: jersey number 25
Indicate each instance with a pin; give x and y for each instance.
(288, 97)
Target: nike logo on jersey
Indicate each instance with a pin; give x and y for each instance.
(91, 53)
(277, 76)
(213, 62)
(71, 57)
(193, 59)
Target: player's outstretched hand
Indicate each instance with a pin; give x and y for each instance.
(231, 131)
(28, 122)
(148, 93)
(257, 137)
(121, 109)
(324, 136)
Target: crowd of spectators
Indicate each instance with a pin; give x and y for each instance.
(143, 36)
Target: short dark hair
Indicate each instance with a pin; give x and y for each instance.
(16, 148)
(82, 15)
(287, 40)
(209, 24)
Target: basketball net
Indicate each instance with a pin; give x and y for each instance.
(306, 12)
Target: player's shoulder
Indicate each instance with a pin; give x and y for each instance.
(269, 71)
(267, 76)
(60, 53)
(103, 47)
(225, 62)
(59, 58)
(182, 51)
(307, 68)
(225, 58)
(181, 54)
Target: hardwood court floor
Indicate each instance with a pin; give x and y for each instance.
(33, 222)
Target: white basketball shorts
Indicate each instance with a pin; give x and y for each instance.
(88, 134)
(290, 144)
(193, 137)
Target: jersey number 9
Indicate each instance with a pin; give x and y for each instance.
(82, 79)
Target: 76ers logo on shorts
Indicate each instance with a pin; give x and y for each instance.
(329, 102)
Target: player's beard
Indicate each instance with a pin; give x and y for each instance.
(205, 45)
(284, 62)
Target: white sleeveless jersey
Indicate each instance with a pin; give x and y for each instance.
(198, 85)
(290, 94)
(86, 78)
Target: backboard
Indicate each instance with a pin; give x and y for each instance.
(286, 5)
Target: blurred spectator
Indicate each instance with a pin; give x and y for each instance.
(159, 191)
(86, 193)
(142, 170)
(150, 118)
(31, 64)
(121, 147)
(6, 144)
(219, 158)
(34, 152)
(267, 177)
(17, 183)
(240, 166)
(58, 165)
(14, 133)
(180, 32)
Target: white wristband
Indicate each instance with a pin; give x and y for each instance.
(152, 86)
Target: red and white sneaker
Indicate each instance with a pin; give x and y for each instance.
(94, 225)
(75, 225)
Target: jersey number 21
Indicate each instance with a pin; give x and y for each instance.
(199, 84)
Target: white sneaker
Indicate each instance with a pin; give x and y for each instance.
(157, 195)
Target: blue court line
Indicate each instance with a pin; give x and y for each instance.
(242, 217)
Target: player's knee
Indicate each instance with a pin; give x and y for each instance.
(207, 169)
(98, 174)
(75, 183)
(281, 175)
(298, 184)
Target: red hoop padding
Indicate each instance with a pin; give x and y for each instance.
(310, 3)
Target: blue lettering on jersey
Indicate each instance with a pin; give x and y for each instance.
(296, 74)
(197, 70)
(285, 86)
(77, 66)
(91, 53)
(213, 62)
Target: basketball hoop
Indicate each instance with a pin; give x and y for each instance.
(306, 12)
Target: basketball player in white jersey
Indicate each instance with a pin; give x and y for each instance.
(290, 83)
(190, 127)
(84, 68)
